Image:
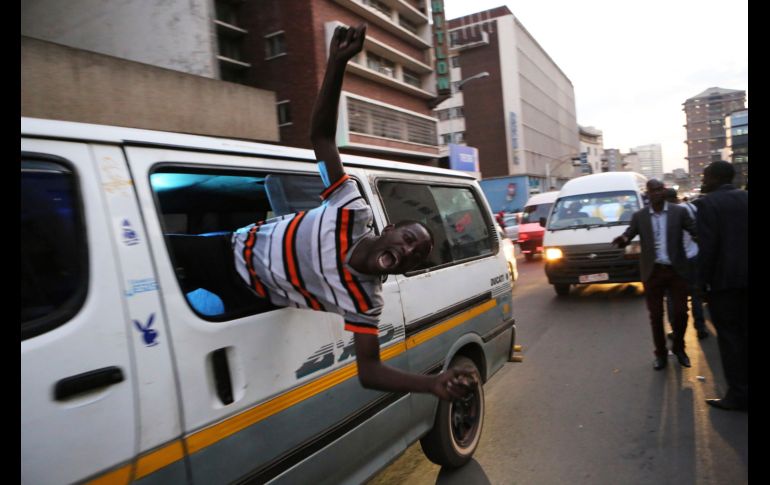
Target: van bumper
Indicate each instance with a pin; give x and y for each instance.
(580, 262)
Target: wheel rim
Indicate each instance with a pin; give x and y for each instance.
(464, 415)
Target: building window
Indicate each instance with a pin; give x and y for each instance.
(275, 45)
(413, 78)
(380, 7)
(230, 46)
(284, 113)
(380, 64)
(455, 61)
(227, 11)
(373, 119)
(454, 37)
(446, 138)
(232, 73)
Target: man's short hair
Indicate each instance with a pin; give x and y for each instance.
(409, 222)
(671, 194)
(721, 171)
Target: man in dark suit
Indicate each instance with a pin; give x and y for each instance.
(723, 263)
(663, 266)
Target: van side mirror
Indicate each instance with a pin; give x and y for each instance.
(542, 221)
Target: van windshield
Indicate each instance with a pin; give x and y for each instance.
(533, 213)
(593, 210)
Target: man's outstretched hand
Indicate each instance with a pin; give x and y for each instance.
(454, 383)
(347, 42)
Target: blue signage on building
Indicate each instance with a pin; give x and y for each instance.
(462, 157)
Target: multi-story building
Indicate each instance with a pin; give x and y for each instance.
(591, 149)
(279, 46)
(705, 125)
(650, 160)
(737, 144)
(519, 111)
(612, 161)
(630, 162)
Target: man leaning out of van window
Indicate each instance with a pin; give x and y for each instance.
(352, 257)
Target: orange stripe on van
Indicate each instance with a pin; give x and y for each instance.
(463, 317)
(352, 327)
(160, 458)
(115, 477)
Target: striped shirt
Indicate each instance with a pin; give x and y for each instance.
(301, 260)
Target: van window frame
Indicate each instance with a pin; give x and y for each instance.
(72, 306)
(377, 179)
(208, 168)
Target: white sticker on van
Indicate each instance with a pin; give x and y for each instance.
(141, 286)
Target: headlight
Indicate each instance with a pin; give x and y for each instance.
(552, 254)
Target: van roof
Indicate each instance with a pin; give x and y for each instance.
(603, 182)
(544, 198)
(87, 132)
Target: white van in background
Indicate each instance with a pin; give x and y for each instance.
(588, 214)
(138, 368)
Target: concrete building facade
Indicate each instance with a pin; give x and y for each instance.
(705, 115)
(650, 160)
(592, 145)
(631, 162)
(521, 116)
(278, 46)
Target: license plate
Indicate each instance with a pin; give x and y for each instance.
(592, 278)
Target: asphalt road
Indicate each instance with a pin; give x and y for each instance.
(586, 407)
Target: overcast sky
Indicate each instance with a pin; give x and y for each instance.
(633, 64)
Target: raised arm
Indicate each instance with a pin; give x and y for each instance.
(345, 43)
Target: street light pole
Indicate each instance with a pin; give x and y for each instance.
(571, 156)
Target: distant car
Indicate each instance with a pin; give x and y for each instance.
(511, 228)
(531, 231)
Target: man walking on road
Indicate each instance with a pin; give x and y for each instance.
(723, 268)
(691, 250)
(663, 266)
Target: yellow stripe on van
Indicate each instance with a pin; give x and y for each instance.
(155, 460)
(209, 436)
(119, 476)
(463, 317)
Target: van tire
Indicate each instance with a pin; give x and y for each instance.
(562, 289)
(450, 443)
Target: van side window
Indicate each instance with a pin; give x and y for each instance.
(54, 253)
(459, 228)
(199, 208)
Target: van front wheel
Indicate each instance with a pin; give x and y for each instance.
(457, 429)
(562, 289)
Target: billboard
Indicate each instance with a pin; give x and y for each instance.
(462, 157)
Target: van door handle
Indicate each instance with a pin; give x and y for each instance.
(222, 377)
(87, 381)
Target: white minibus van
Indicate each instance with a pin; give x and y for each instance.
(589, 212)
(135, 368)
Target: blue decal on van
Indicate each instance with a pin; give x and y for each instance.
(129, 235)
(148, 334)
(323, 358)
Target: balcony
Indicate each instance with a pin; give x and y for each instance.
(420, 39)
